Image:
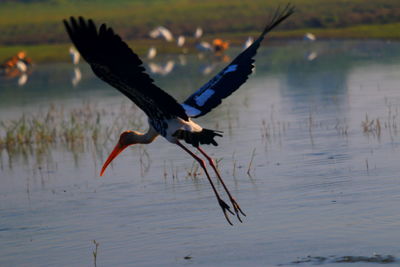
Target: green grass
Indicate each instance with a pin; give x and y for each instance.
(39, 53)
(385, 31)
(59, 52)
(36, 26)
(40, 21)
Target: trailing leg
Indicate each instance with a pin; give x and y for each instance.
(231, 198)
(225, 207)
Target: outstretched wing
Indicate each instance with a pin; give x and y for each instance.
(232, 76)
(115, 63)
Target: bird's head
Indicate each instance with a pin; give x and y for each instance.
(21, 54)
(126, 139)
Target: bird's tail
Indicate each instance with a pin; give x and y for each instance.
(205, 137)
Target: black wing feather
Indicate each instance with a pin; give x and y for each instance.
(115, 63)
(232, 76)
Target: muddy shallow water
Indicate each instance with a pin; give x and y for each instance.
(311, 151)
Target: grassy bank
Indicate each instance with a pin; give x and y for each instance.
(35, 26)
(38, 22)
(59, 52)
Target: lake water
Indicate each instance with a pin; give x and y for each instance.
(318, 122)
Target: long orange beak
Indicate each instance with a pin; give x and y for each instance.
(117, 150)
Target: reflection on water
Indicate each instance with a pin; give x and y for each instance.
(310, 149)
(77, 76)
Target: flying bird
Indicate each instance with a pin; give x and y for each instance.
(115, 63)
(162, 32)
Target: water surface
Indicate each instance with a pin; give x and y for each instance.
(323, 182)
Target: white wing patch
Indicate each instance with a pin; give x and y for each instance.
(201, 99)
(231, 68)
(191, 111)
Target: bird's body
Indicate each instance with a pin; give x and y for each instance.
(309, 37)
(198, 33)
(204, 46)
(22, 66)
(180, 41)
(115, 63)
(177, 124)
(174, 127)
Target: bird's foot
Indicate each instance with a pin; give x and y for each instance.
(225, 207)
(237, 209)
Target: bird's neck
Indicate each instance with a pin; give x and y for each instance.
(144, 138)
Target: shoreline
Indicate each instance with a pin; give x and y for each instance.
(58, 52)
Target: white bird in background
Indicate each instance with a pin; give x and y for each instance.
(310, 56)
(75, 56)
(248, 42)
(198, 33)
(162, 69)
(152, 52)
(181, 41)
(204, 46)
(77, 77)
(162, 32)
(22, 67)
(309, 37)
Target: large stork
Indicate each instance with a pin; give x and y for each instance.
(115, 63)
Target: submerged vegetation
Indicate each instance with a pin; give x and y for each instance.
(75, 129)
(90, 127)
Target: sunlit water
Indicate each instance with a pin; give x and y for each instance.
(323, 182)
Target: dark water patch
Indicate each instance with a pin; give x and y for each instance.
(11, 229)
(373, 259)
(316, 260)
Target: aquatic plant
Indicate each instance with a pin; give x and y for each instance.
(97, 244)
(75, 129)
(253, 154)
(371, 126)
